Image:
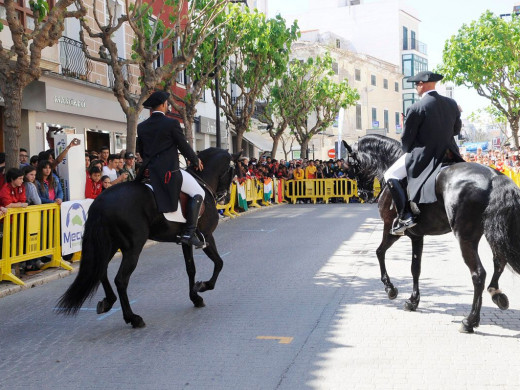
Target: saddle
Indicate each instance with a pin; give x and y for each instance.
(180, 214)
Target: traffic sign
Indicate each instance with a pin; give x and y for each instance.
(331, 153)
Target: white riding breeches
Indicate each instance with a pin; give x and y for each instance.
(397, 170)
(190, 186)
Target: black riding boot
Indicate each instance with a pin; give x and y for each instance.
(192, 215)
(405, 218)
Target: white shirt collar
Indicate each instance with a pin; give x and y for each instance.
(160, 112)
(427, 92)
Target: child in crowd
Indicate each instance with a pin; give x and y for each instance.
(48, 184)
(93, 186)
(29, 179)
(105, 182)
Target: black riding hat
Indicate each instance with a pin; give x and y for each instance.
(426, 76)
(156, 99)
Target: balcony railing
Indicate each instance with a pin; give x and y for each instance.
(414, 44)
(126, 74)
(73, 61)
(239, 103)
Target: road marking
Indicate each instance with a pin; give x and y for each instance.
(112, 311)
(281, 340)
(260, 230)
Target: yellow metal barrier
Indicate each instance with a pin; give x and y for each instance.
(324, 189)
(229, 208)
(377, 187)
(29, 233)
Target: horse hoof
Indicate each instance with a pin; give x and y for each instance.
(391, 292)
(501, 301)
(103, 306)
(137, 322)
(199, 287)
(410, 306)
(199, 302)
(465, 327)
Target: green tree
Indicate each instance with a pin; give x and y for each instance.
(311, 98)
(485, 55)
(213, 52)
(262, 56)
(490, 116)
(271, 113)
(20, 63)
(182, 32)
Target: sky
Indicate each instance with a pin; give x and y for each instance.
(440, 20)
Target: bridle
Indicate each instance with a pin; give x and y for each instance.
(220, 195)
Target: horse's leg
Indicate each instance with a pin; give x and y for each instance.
(387, 242)
(187, 250)
(128, 264)
(417, 249)
(212, 253)
(499, 298)
(478, 275)
(110, 297)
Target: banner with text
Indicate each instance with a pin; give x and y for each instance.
(73, 218)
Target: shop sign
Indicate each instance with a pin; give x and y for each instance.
(70, 101)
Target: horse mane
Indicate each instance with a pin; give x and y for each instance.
(376, 153)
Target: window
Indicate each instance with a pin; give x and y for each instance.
(115, 9)
(385, 83)
(396, 86)
(338, 43)
(374, 115)
(335, 68)
(23, 11)
(405, 38)
(385, 118)
(408, 100)
(412, 64)
(412, 40)
(358, 117)
(373, 79)
(357, 74)
(398, 128)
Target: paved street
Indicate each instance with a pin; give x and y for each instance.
(298, 305)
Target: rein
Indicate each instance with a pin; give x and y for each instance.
(203, 184)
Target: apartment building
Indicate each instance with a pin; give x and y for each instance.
(378, 111)
(74, 94)
(384, 29)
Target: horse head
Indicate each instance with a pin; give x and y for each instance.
(224, 183)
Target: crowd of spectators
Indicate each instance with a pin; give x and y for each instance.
(503, 159)
(297, 169)
(35, 181)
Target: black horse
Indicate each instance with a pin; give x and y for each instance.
(473, 200)
(125, 217)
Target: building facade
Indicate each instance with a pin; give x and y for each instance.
(74, 94)
(378, 111)
(385, 29)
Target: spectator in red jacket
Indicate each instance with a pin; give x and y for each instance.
(93, 186)
(12, 193)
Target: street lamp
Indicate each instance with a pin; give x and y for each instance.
(217, 91)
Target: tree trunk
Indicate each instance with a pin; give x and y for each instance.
(276, 139)
(12, 121)
(514, 131)
(132, 118)
(304, 148)
(240, 136)
(188, 132)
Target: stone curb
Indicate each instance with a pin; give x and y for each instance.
(51, 274)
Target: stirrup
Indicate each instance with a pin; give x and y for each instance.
(399, 226)
(193, 240)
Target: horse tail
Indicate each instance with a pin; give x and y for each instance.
(95, 256)
(502, 221)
